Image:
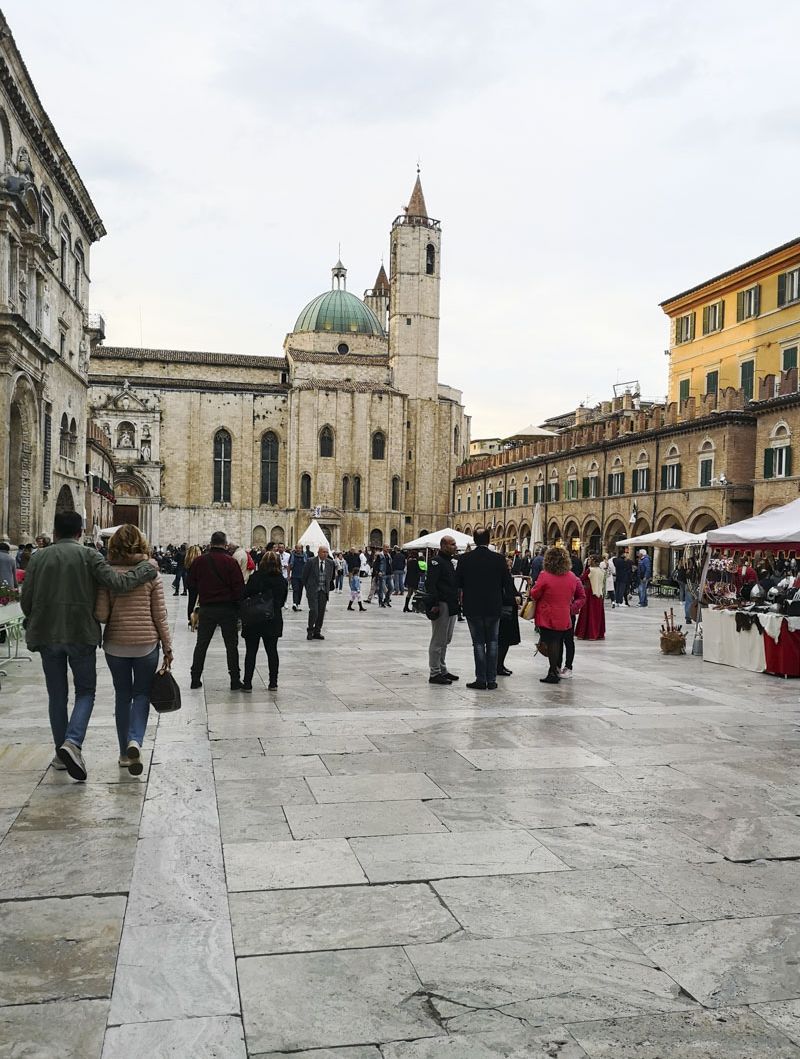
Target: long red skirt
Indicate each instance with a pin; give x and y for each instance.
(591, 619)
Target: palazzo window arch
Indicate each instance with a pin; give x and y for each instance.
(778, 453)
(223, 451)
(378, 445)
(705, 463)
(63, 437)
(455, 441)
(73, 439)
(395, 494)
(326, 442)
(79, 265)
(671, 472)
(305, 490)
(269, 468)
(616, 478)
(640, 479)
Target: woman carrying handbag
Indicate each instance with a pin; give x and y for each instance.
(136, 625)
(262, 617)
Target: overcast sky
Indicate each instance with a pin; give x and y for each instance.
(587, 160)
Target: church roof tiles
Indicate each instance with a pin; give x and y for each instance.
(188, 356)
(372, 360)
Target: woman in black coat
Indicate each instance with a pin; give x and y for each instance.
(412, 579)
(509, 627)
(269, 582)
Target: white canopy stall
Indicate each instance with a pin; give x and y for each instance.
(667, 538)
(775, 529)
(314, 538)
(433, 540)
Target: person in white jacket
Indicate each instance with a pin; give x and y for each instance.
(611, 576)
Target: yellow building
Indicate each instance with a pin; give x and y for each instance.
(736, 328)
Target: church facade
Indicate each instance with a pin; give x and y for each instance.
(350, 425)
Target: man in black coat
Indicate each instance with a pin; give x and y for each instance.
(482, 578)
(442, 609)
(318, 575)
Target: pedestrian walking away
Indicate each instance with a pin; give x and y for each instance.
(220, 586)
(591, 624)
(318, 577)
(136, 625)
(557, 592)
(441, 608)
(411, 579)
(623, 573)
(192, 553)
(645, 571)
(483, 579)
(509, 634)
(297, 560)
(355, 591)
(269, 586)
(58, 600)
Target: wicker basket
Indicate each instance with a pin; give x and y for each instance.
(673, 643)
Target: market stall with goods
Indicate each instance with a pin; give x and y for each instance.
(750, 592)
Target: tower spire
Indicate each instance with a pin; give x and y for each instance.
(416, 204)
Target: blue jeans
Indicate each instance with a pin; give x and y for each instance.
(81, 660)
(132, 680)
(399, 581)
(484, 633)
(643, 592)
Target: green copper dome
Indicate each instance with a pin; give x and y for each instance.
(340, 312)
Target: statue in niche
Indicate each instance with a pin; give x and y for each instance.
(125, 440)
(146, 451)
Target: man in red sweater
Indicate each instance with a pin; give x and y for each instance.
(217, 579)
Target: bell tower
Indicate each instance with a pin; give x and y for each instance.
(414, 299)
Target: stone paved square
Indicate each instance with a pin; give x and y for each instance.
(419, 873)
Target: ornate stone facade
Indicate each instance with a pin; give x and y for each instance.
(350, 424)
(47, 225)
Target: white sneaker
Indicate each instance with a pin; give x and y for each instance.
(135, 766)
(565, 672)
(124, 761)
(58, 765)
(72, 759)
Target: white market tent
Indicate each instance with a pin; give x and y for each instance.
(110, 531)
(667, 538)
(314, 538)
(433, 540)
(778, 528)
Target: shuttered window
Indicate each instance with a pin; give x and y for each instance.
(748, 303)
(47, 461)
(788, 287)
(684, 328)
(790, 358)
(713, 317)
(683, 390)
(712, 382)
(671, 476)
(747, 377)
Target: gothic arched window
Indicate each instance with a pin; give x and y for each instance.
(394, 539)
(305, 490)
(430, 259)
(395, 494)
(326, 441)
(455, 441)
(357, 492)
(378, 445)
(222, 467)
(269, 468)
(345, 492)
(63, 437)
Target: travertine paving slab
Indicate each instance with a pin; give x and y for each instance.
(690, 751)
(334, 742)
(58, 949)
(518, 782)
(201, 1038)
(325, 1053)
(58, 863)
(784, 1016)
(749, 838)
(729, 962)
(246, 795)
(509, 1044)
(348, 819)
(24, 757)
(480, 814)
(7, 818)
(283, 865)
(268, 767)
(181, 800)
(327, 999)
(177, 880)
(760, 773)
(476, 986)
(720, 890)
(408, 857)
(193, 975)
(39, 1031)
(728, 1034)
(507, 906)
(253, 822)
(552, 757)
(337, 918)
(109, 805)
(632, 843)
(17, 787)
(381, 788)
(441, 761)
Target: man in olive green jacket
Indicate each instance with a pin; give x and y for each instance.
(58, 596)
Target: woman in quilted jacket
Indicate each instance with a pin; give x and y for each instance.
(559, 597)
(135, 628)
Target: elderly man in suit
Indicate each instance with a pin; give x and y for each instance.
(318, 575)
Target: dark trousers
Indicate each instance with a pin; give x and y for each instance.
(226, 616)
(484, 633)
(317, 602)
(180, 580)
(621, 590)
(297, 591)
(554, 638)
(567, 644)
(252, 640)
(191, 602)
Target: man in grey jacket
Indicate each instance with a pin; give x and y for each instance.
(318, 575)
(58, 596)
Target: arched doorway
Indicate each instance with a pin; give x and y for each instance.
(258, 538)
(524, 536)
(593, 537)
(394, 538)
(277, 536)
(616, 531)
(666, 559)
(554, 533)
(65, 500)
(572, 536)
(376, 539)
(21, 434)
(702, 523)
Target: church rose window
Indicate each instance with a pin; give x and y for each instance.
(269, 469)
(326, 442)
(378, 445)
(222, 467)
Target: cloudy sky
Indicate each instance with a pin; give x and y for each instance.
(587, 160)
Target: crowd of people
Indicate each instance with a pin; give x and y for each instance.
(69, 591)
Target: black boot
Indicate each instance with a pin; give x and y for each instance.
(361, 605)
(350, 605)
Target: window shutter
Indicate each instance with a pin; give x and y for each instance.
(769, 462)
(787, 462)
(692, 321)
(557, 491)
(677, 476)
(622, 483)
(757, 300)
(740, 306)
(611, 485)
(635, 481)
(721, 315)
(585, 488)
(706, 311)
(47, 462)
(664, 477)
(782, 289)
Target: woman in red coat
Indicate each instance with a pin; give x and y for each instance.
(558, 594)
(592, 618)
